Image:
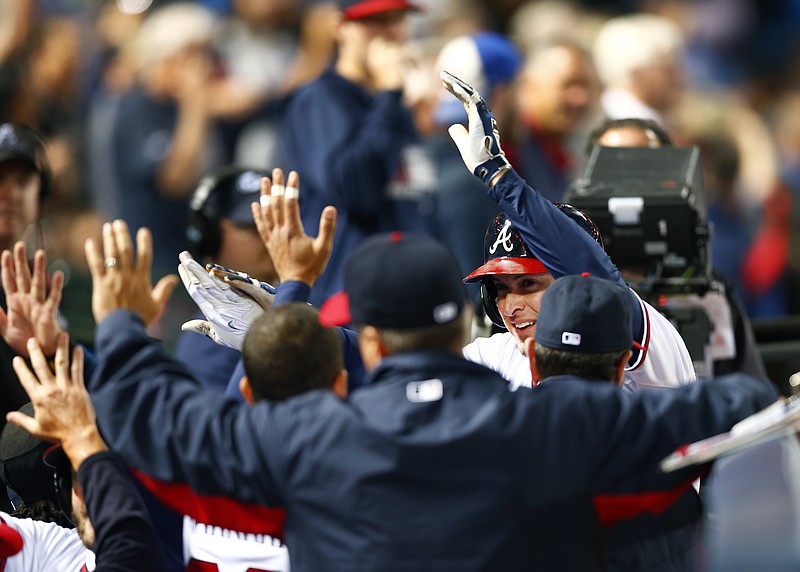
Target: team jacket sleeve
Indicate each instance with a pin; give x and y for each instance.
(645, 427)
(125, 540)
(196, 450)
(353, 155)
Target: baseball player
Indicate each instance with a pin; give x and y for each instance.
(529, 247)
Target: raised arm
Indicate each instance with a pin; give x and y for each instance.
(562, 246)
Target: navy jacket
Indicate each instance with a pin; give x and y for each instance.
(359, 152)
(434, 465)
(125, 540)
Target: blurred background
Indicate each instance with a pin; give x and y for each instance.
(720, 74)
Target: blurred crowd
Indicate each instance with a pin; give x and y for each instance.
(137, 104)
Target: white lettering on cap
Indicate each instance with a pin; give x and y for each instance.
(503, 238)
(570, 339)
(424, 391)
(445, 312)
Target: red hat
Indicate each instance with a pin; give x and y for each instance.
(357, 9)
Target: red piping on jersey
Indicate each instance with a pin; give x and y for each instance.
(216, 510)
(643, 347)
(612, 508)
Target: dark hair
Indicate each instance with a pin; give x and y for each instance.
(287, 352)
(640, 123)
(445, 337)
(589, 365)
(44, 510)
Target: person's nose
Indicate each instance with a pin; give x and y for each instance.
(511, 304)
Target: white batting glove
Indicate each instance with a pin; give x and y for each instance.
(229, 311)
(480, 146)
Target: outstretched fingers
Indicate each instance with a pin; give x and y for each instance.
(22, 269)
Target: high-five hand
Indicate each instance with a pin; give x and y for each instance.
(63, 412)
(121, 282)
(31, 312)
(296, 255)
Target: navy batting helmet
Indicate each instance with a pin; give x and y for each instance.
(506, 253)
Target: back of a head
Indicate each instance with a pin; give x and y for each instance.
(287, 352)
(584, 327)
(627, 43)
(170, 29)
(648, 133)
(402, 283)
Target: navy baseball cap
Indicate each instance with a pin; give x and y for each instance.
(585, 314)
(245, 190)
(397, 281)
(24, 144)
(358, 9)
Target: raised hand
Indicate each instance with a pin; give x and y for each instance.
(296, 255)
(229, 311)
(480, 145)
(31, 312)
(119, 281)
(63, 412)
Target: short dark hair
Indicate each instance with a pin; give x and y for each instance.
(640, 123)
(444, 337)
(589, 365)
(287, 352)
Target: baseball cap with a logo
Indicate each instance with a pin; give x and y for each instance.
(397, 281)
(358, 9)
(585, 314)
(505, 252)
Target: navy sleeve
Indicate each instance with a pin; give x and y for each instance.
(340, 146)
(124, 536)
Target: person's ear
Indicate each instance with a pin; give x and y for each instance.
(530, 351)
(339, 386)
(246, 390)
(620, 367)
(371, 346)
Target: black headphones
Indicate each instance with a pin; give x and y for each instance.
(211, 200)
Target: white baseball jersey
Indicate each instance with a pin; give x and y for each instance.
(47, 547)
(664, 361)
(213, 548)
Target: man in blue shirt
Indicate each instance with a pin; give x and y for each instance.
(354, 141)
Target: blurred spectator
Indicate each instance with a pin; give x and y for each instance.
(267, 49)
(24, 183)
(489, 62)
(639, 60)
(354, 141)
(163, 137)
(556, 91)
